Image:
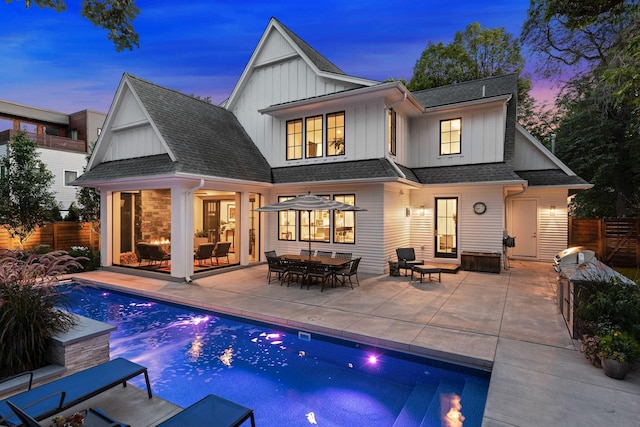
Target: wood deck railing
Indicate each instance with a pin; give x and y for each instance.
(49, 141)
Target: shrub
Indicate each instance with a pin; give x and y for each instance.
(32, 309)
(89, 260)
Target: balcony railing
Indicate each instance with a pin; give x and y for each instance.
(49, 141)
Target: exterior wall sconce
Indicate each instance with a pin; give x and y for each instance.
(552, 211)
(407, 211)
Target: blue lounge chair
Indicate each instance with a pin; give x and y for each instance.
(92, 418)
(210, 408)
(53, 397)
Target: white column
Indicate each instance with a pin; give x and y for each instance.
(106, 228)
(243, 239)
(181, 228)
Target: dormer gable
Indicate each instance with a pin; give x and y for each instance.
(131, 131)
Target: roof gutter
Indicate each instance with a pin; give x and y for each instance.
(386, 152)
(187, 232)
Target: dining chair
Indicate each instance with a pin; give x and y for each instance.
(316, 270)
(347, 272)
(268, 254)
(326, 254)
(277, 266)
(306, 252)
(297, 269)
(344, 255)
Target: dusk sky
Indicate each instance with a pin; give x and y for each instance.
(61, 62)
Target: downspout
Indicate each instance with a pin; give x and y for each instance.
(187, 277)
(386, 152)
(506, 199)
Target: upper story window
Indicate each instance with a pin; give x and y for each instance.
(335, 134)
(391, 131)
(294, 139)
(450, 136)
(69, 177)
(313, 127)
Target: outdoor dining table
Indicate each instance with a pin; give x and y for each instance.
(330, 262)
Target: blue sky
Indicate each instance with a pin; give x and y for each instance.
(61, 62)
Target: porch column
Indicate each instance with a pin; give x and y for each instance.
(106, 228)
(243, 240)
(181, 232)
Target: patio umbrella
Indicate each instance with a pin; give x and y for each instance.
(307, 203)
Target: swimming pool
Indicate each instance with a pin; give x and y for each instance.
(288, 377)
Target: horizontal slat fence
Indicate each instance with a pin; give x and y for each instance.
(59, 236)
(615, 241)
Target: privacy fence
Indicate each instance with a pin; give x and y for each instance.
(58, 236)
(614, 240)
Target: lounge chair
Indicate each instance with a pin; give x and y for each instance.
(221, 250)
(152, 253)
(204, 251)
(56, 396)
(92, 418)
(407, 259)
(348, 272)
(211, 410)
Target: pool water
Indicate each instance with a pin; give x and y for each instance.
(288, 377)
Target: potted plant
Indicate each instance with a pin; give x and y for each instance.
(200, 237)
(616, 350)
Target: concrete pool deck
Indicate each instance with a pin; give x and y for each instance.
(508, 323)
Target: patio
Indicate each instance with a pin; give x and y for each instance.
(508, 323)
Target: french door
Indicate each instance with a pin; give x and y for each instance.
(446, 231)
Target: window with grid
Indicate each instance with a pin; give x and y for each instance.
(450, 136)
(294, 139)
(344, 222)
(313, 128)
(391, 131)
(335, 134)
(286, 222)
(315, 225)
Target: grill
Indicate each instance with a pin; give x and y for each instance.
(575, 267)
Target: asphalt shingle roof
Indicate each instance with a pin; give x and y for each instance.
(484, 172)
(467, 91)
(550, 177)
(339, 171)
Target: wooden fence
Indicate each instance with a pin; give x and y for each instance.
(59, 236)
(615, 241)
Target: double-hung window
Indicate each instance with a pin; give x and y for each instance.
(69, 177)
(287, 221)
(335, 134)
(450, 136)
(344, 222)
(314, 132)
(294, 139)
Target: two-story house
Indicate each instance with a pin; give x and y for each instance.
(444, 170)
(62, 141)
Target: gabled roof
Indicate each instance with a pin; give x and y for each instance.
(314, 56)
(468, 91)
(203, 138)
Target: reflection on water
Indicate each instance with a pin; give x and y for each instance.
(190, 353)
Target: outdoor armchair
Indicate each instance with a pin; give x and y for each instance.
(407, 259)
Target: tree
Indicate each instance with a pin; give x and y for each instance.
(587, 46)
(474, 54)
(25, 197)
(89, 199)
(114, 16)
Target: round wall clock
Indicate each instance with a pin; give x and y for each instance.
(479, 208)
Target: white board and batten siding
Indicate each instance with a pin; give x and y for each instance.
(483, 133)
(552, 231)
(131, 133)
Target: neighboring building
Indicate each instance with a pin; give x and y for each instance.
(443, 170)
(62, 141)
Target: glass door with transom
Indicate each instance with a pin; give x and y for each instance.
(446, 231)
